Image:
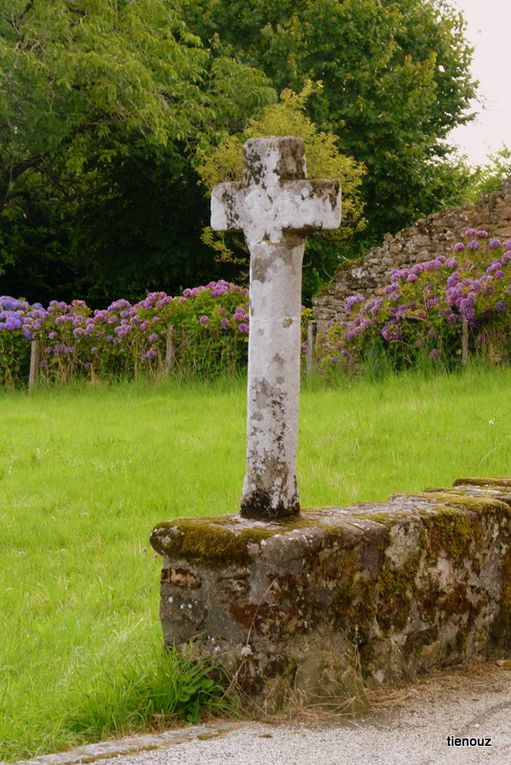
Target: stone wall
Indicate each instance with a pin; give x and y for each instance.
(430, 237)
(321, 605)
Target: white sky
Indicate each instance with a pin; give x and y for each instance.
(488, 31)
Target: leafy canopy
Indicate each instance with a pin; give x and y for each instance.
(324, 160)
(99, 99)
(395, 77)
(488, 177)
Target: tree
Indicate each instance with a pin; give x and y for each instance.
(395, 77)
(324, 160)
(95, 97)
(487, 178)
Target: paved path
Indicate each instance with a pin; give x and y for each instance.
(409, 726)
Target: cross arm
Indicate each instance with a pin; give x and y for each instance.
(310, 205)
(265, 212)
(227, 207)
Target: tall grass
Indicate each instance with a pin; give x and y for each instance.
(85, 473)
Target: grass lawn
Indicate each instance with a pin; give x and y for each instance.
(86, 473)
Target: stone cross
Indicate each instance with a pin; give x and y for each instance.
(276, 208)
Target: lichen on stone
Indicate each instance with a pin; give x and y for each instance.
(418, 581)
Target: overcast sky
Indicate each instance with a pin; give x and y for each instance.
(489, 31)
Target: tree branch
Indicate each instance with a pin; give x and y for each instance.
(11, 175)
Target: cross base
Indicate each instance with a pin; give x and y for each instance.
(258, 505)
(317, 606)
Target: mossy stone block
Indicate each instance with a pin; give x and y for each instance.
(370, 593)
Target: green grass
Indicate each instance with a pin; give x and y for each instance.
(86, 473)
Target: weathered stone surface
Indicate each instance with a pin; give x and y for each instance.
(343, 596)
(276, 207)
(275, 198)
(430, 237)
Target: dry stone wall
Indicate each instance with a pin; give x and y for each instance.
(430, 237)
(319, 605)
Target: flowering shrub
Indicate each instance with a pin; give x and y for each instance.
(14, 349)
(209, 327)
(202, 331)
(421, 311)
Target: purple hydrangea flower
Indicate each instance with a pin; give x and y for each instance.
(374, 306)
(9, 303)
(390, 332)
(467, 310)
(123, 330)
(351, 301)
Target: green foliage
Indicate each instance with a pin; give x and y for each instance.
(145, 694)
(101, 107)
(201, 333)
(487, 178)
(209, 330)
(324, 160)
(107, 107)
(73, 74)
(14, 358)
(395, 80)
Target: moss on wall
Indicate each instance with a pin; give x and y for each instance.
(417, 581)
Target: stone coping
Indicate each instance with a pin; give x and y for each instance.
(214, 539)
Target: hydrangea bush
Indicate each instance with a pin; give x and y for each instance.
(420, 313)
(205, 330)
(14, 349)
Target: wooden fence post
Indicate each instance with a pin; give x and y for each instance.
(464, 343)
(170, 351)
(35, 355)
(309, 359)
